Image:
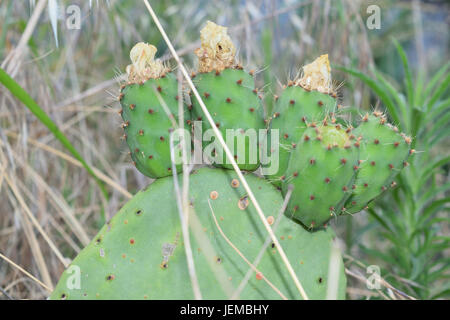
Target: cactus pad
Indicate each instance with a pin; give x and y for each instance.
(231, 98)
(147, 125)
(294, 110)
(232, 101)
(322, 168)
(140, 254)
(384, 152)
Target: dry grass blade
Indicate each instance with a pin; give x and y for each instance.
(363, 279)
(334, 268)
(91, 91)
(66, 212)
(64, 234)
(185, 227)
(26, 273)
(74, 161)
(185, 189)
(16, 55)
(33, 243)
(228, 152)
(3, 292)
(22, 95)
(382, 280)
(34, 221)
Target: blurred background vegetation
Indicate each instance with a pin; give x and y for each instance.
(74, 75)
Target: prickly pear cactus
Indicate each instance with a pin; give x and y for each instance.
(230, 96)
(384, 152)
(147, 124)
(296, 108)
(333, 170)
(140, 254)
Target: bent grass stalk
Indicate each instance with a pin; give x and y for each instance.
(26, 273)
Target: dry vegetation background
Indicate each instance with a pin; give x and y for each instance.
(77, 82)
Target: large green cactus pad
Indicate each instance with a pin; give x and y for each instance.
(322, 169)
(232, 100)
(294, 110)
(147, 125)
(383, 155)
(125, 259)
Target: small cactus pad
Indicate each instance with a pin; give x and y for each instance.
(230, 96)
(150, 104)
(295, 109)
(321, 169)
(383, 155)
(147, 125)
(233, 104)
(140, 253)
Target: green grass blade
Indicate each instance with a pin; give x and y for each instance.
(428, 171)
(439, 91)
(418, 92)
(431, 209)
(401, 103)
(377, 217)
(441, 134)
(438, 126)
(440, 108)
(26, 99)
(408, 77)
(435, 80)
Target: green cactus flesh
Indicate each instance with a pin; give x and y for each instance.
(384, 152)
(232, 100)
(295, 109)
(321, 169)
(147, 125)
(125, 260)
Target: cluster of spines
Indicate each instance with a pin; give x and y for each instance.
(291, 83)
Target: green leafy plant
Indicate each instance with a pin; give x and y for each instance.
(413, 215)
